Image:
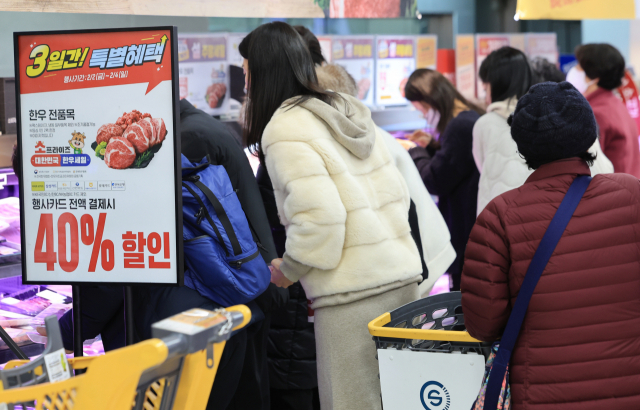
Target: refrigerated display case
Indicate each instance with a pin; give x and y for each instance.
(23, 307)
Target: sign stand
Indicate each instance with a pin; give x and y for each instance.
(77, 325)
(128, 316)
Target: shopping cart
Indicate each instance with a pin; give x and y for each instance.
(427, 359)
(174, 370)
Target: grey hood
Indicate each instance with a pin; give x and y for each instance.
(350, 123)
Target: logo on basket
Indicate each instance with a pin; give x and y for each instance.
(434, 396)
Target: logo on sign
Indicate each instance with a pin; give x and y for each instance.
(434, 396)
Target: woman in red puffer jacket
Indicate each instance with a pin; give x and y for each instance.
(579, 347)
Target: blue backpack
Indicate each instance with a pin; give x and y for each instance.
(223, 262)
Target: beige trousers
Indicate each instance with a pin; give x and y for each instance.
(346, 354)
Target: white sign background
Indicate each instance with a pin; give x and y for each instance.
(146, 205)
(403, 374)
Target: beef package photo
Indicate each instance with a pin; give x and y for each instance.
(130, 142)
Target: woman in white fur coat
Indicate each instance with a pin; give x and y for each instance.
(344, 206)
(506, 76)
(437, 252)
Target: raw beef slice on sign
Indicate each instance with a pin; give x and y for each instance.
(149, 131)
(108, 131)
(119, 153)
(136, 135)
(160, 129)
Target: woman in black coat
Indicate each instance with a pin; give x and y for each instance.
(447, 166)
(291, 350)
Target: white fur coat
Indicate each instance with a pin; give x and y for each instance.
(341, 199)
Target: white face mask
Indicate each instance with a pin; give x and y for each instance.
(433, 117)
(579, 79)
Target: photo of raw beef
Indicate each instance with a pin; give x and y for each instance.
(136, 135)
(133, 133)
(120, 153)
(160, 129)
(215, 94)
(129, 118)
(108, 131)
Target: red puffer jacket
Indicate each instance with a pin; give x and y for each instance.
(579, 347)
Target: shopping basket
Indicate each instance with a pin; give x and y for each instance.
(174, 370)
(427, 360)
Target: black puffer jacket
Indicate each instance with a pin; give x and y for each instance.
(292, 345)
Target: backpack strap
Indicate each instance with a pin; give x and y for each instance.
(540, 260)
(222, 215)
(206, 214)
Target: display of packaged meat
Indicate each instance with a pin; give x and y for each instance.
(57, 309)
(18, 335)
(10, 220)
(119, 154)
(29, 307)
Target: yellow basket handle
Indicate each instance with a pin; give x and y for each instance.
(376, 328)
(246, 313)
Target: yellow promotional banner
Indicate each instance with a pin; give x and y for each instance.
(426, 51)
(575, 9)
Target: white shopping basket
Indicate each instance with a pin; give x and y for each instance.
(427, 359)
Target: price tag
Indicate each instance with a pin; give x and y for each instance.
(57, 366)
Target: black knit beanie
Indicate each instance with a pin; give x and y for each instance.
(553, 121)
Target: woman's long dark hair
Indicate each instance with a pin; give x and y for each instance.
(280, 68)
(509, 73)
(312, 43)
(433, 88)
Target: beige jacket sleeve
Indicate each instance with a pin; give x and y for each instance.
(309, 206)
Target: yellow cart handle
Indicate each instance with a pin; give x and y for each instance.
(376, 328)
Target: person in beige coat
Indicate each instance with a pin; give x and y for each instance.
(344, 206)
(437, 251)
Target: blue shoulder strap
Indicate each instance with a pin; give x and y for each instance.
(534, 272)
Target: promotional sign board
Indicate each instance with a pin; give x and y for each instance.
(427, 51)
(236, 73)
(368, 9)
(629, 94)
(355, 54)
(395, 61)
(576, 9)
(100, 185)
(465, 65)
(204, 74)
(485, 44)
(543, 45)
(518, 41)
(325, 46)
(427, 380)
